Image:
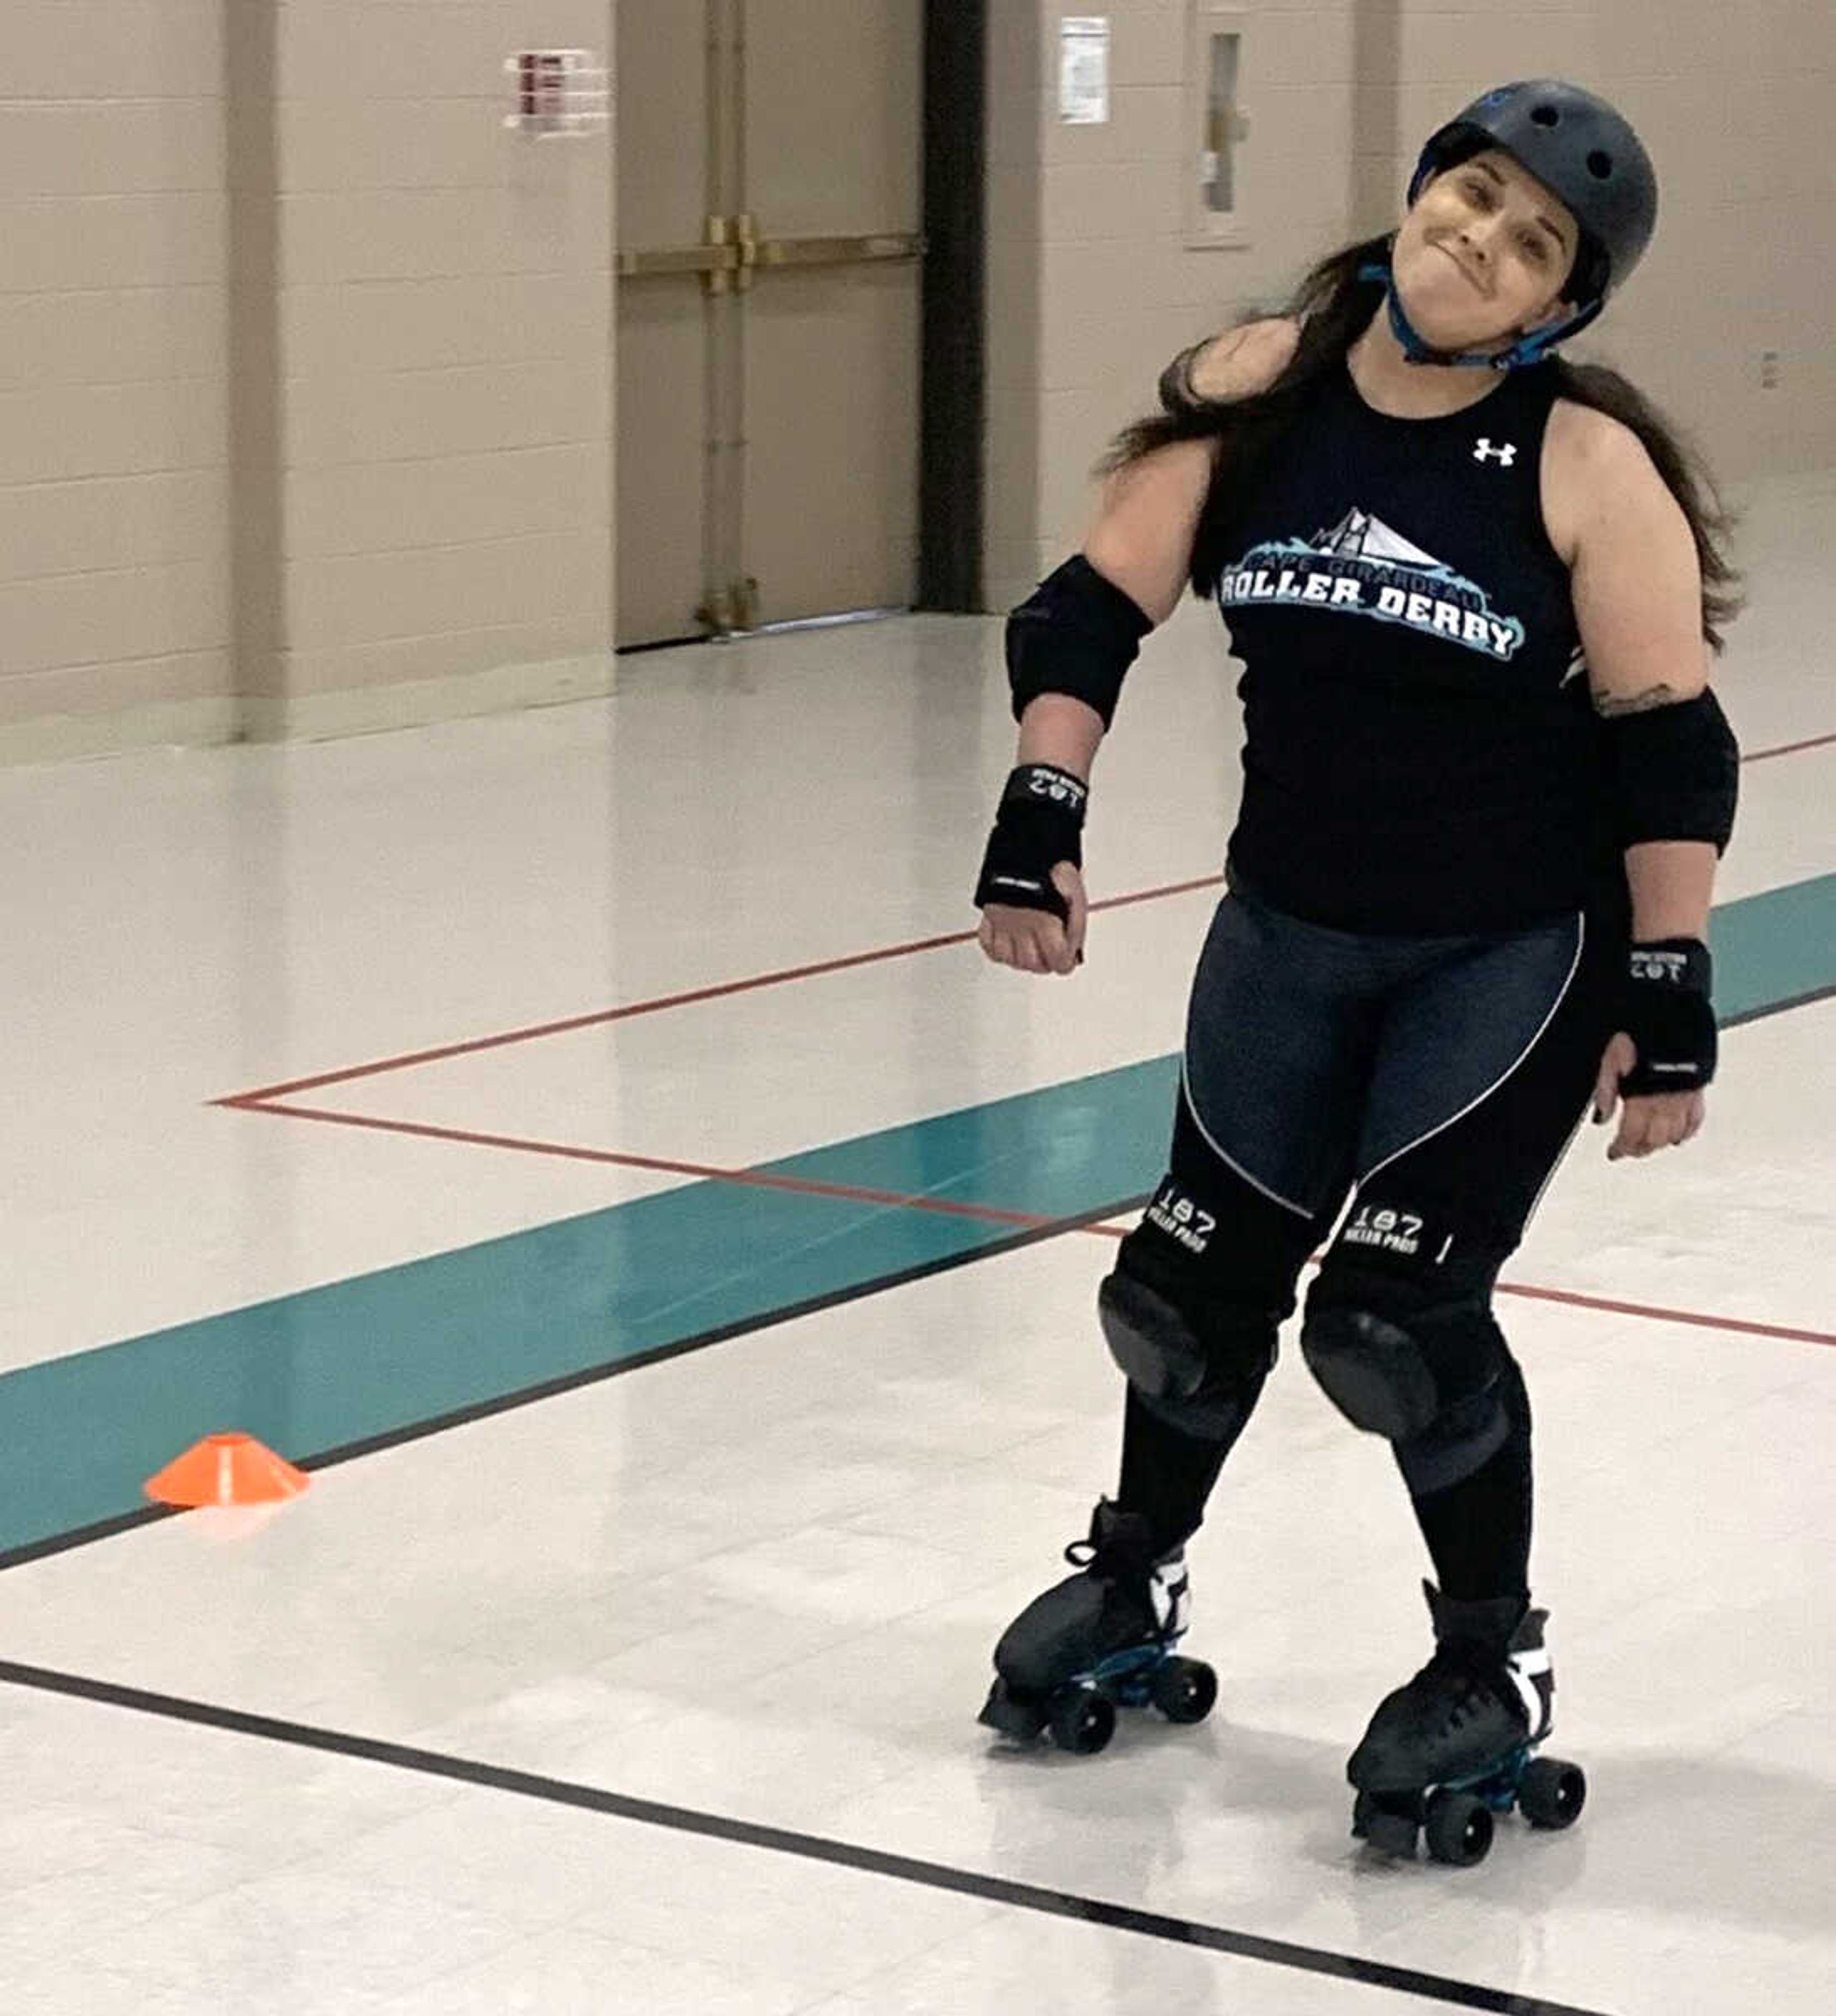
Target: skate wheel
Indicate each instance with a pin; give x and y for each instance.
(1458, 1829)
(1082, 1721)
(1185, 1690)
(1551, 1794)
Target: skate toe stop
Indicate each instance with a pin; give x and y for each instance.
(1019, 1720)
(1391, 1834)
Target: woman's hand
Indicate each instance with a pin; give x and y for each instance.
(1035, 940)
(1661, 1120)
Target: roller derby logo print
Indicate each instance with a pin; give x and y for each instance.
(1362, 567)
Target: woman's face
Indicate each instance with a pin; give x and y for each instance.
(1484, 255)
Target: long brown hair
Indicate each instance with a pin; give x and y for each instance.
(1335, 307)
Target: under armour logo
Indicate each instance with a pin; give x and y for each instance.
(1505, 456)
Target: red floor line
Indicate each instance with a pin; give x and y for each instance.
(263, 1094)
(1790, 748)
(1646, 1309)
(1656, 1315)
(589, 1021)
(986, 1213)
(754, 1179)
(599, 1017)
(1153, 895)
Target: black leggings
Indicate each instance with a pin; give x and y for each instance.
(1436, 1082)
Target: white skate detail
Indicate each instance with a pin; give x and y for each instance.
(1526, 1669)
(1170, 1589)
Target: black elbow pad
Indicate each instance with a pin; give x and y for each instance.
(1077, 633)
(1178, 393)
(1675, 771)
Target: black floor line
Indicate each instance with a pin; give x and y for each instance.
(1777, 1007)
(938, 1876)
(591, 1375)
(809, 1848)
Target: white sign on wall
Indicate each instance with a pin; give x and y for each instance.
(1083, 69)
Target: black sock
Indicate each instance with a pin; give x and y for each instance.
(1167, 1476)
(1478, 1530)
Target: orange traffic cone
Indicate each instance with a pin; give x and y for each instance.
(227, 1470)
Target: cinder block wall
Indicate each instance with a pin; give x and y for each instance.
(114, 482)
(305, 370)
(443, 317)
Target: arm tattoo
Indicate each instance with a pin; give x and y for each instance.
(1608, 705)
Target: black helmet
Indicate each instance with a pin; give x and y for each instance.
(1577, 145)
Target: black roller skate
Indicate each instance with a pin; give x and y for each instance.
(1458, 1744)
(1101, 1637)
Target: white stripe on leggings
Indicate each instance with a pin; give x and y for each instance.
(1197, 1121)
(1561, 996)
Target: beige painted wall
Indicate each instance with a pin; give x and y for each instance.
(1093, 286)
(305, 370)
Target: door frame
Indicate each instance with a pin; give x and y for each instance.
(953, 336)
(952, 373)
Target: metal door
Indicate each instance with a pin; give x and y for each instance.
(768, 206)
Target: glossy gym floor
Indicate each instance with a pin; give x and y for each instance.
(591, 1142)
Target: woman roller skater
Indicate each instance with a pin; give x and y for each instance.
(1475, 589)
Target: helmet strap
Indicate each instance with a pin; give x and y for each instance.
(1528, 349)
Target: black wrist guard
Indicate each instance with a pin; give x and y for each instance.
(1039, 824)
(1667, 1014)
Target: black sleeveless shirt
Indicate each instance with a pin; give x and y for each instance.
(1421, 753)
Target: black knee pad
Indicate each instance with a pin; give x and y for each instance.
(1422, 1371)
(1199, 1289)
(1198, 1363)
(1463, 1438)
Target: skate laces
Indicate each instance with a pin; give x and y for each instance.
(1106, 1559)
(1478, 1678)
(1119, 1555)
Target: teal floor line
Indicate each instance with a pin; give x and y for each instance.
(1775, 948)
(365, 1358)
